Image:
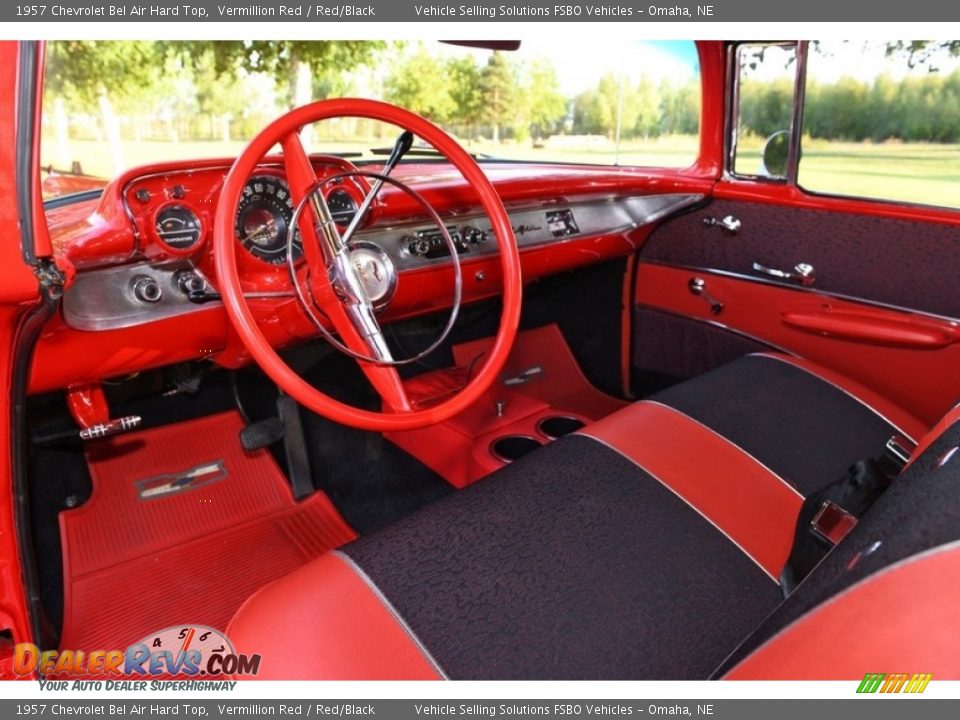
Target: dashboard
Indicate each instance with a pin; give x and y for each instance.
(144, 291)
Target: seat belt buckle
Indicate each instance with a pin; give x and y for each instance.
(832, 522)
(900, 449)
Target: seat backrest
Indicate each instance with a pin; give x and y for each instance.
(886, 593)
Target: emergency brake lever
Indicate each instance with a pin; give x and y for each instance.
(400, 148)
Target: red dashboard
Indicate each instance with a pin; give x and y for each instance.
(144, 293)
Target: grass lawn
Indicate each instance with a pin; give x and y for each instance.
(911, 172)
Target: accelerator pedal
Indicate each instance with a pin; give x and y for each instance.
(295, 445)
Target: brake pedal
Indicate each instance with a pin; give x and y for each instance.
(259, 435)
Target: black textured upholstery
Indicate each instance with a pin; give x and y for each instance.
(804, 429)
(920, 511)
(570, 563)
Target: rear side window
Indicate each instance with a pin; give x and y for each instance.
(882, 120)
(877, 120)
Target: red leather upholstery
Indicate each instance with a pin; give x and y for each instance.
(902, 619)
(342, 629)
(749, 503)
(591, 557)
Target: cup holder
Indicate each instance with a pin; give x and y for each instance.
(513, 447)
(556, 426)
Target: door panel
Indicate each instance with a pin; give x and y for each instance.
(904, 263)
(921, 377)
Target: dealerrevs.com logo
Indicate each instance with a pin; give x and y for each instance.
(186, 652)
(894, 683)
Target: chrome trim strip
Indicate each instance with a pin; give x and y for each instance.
(796, 117)
(846, 392)
(683, 499)
(796, 288)
(388, 606)
(595, 217)
(104, 300)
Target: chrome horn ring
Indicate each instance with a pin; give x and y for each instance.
(307, 302)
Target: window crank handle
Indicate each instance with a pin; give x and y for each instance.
(698, 286)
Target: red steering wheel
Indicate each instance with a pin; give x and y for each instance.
(332, 283)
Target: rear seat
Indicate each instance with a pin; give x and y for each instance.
(648, 546)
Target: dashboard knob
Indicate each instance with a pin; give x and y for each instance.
(146, 289)
(189, 282)
(473, 235)
(418, 246)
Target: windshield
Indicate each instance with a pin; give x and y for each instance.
(110, 106)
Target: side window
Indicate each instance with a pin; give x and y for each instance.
(764, 119)
(879, 120)
(882, 120)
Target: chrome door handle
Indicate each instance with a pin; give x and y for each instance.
(803, 273)
(730, 223)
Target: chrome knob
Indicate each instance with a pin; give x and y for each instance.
(189, 282)
(146, 289)
(698, 287)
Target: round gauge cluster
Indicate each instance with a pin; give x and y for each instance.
(264, 215)
(342, 206)
(263, 219)
(178, 228)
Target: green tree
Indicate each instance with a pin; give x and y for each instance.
(465, 91)
(499, 91)
(291, 62)
(81, 71)
(419, 82)
(543, 104)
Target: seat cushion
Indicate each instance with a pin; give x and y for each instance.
(570, 563)
(805, 422)
(648, 546)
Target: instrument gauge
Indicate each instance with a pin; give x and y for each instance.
(263, 219)
(178, 228)
(342, 207)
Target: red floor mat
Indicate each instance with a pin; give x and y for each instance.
(137, 560)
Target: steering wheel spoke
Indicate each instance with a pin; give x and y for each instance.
(302, 179)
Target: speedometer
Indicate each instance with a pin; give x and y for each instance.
(263, 219)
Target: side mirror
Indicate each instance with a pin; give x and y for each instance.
(776, 150)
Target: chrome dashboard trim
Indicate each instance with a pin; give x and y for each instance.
(594, 217)
(105, 300)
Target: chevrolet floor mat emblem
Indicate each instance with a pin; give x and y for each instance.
(172, 483)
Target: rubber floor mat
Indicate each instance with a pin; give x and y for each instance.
(182, 526)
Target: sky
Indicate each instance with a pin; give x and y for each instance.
(857, 59)
(594, 57)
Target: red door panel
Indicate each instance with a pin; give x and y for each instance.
(882, 308)
(902, 262)
(910, 359)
